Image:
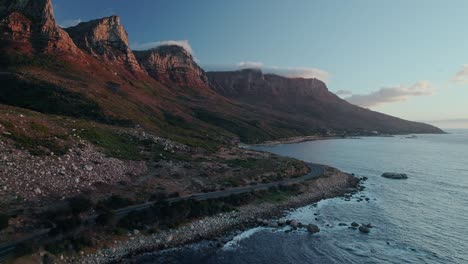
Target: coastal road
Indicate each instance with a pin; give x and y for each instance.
(7, 250)
(315, 172)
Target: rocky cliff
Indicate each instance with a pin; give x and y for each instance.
(251, 85)
(310, 100)
(162, 89)
(107, 40)
(173, 65)
(29, 25)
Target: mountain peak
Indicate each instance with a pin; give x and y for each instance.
(107, 39)
(172, 49)
(106, 29)
(31, 25)
(173, 64)
(38, 11)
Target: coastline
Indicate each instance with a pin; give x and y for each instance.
(332, 184)
(293, 140)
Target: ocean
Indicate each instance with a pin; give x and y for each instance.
(423, 219)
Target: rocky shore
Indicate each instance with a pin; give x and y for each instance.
(333, 183)
(293, 140)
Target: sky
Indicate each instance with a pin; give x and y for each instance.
(399, 57)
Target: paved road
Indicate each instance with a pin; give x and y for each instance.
(7, 250)
(316, 171)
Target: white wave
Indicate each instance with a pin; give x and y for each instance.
(235, 242)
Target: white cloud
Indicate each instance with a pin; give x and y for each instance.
(344, 92)
(250, 65)
(391, 94)
(461, 76)
(300, 72)
(69, 23)
(150, 45)
(291, 72)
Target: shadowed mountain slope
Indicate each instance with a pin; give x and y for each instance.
(89, 71)
(310, 100)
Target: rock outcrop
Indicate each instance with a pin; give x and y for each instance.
(395, 176)
(30, 26)
(313, 228)
(172, 64)
(364, 229)
(105, 39)
(275, 91)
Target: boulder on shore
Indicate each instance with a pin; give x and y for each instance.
(294, 224)
(395, 176)
(281, 222)
(364, 229)
(313, 228)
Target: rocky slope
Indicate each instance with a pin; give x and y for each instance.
(173, 65)
(30, 26)
(163, 89)
(105, 39)
(309, 99)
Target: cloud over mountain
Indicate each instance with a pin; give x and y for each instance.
(290, 72)
(69, 23)
(149, 45)
(344, 93)
(391, 94)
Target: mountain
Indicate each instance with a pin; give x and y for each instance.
(173, 65)
(89, 72)
(309, 99)
(29, 26)
(107, 40)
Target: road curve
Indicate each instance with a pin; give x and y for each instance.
(7, 250)
(315, 172)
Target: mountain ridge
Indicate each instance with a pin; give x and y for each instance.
(164, 89)
(310, 98)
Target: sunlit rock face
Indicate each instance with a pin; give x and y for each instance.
(105, 39)
(31, 26)
(171, 64)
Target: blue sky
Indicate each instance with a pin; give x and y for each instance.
(397, 57)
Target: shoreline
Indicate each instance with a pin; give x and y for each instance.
(334, 183)
(293, 140)
(301, 139)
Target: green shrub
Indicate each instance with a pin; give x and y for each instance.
(79, 204)
(114, 202)
(247, 131)
(106, 219)
(115, 145)
(248, 163)
(56, 247)
(65, 225)
(23, 249)
(4, 221)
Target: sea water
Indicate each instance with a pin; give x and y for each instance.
(423, 219)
